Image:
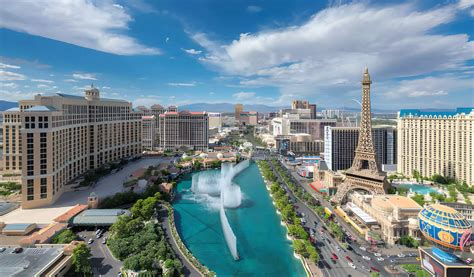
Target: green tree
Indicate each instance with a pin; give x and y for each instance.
(299, 247)
(419, 198)
(144, 208)
(80, 260)
(65, 237)
(408, 241)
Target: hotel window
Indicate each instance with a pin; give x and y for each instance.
(44, 188)
(30, 190)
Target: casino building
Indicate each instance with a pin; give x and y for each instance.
(450, 233)
(52, 140)
(437, 143)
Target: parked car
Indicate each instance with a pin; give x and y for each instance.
(17, 250)
(349, 259)
(351, 265)
(90, 241)
(363, 248)
(334, 256)
(380, 259)
(2, 249)
(468, 261)
(377, 254)
(367, 258)
(338, 249)
(401, 255)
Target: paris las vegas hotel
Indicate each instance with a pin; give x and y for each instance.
(51, 140)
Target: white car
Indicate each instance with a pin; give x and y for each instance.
(380, 259)
(401, 255)
(367, 258)
(351, 265)
(338, 249)
(90, 241)
(377, 255)
(362, 248)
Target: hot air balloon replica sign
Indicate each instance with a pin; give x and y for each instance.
(449, 232)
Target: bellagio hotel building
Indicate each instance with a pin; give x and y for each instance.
(437, 142)
(52, 140)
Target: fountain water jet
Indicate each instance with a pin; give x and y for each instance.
(213, 185)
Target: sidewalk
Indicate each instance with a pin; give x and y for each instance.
(188, 269)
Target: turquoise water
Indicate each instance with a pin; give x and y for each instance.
(261, 241)
(418, 188)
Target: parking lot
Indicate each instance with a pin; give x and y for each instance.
(103, 263)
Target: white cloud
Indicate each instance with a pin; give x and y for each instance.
(428, 86)
(243, 95)
(465, 4)
(254, 9)
(328, 53)
(43, 86)
(11, 76)
(167, 39)
(84, 76)
(15, 95)
(146, 101)
(98, 25)
(191, 84)
(71, 81)
(105, 87)
(42, 81)
(4, 65)
(8, 85)
(192, 51)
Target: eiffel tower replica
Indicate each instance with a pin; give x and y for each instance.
(365, 173)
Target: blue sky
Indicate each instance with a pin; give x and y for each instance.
(420, 54)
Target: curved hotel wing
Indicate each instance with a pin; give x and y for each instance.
(54, 139)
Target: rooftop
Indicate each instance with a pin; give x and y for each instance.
(389, 202)
(29, 262)
(433, 113)
(41, 109)
(17, 227)
(98, 217)
(65, 217)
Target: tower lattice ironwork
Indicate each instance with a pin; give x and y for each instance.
(365, 171)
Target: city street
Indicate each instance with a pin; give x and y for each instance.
(328, 245)
(103, 262)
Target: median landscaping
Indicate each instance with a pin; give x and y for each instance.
(299, 236)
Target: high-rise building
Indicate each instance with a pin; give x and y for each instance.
(215, 121)
(63, 136)
(299, 104)
(312, 108)
(149, 132)
(291, 124)
(341, 142)
(12, 151)
(239, 108)
(437, 142)
(185, 129)
(304, 104)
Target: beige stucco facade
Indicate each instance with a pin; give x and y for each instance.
(63, 136)
(437, 143)
(395, 214)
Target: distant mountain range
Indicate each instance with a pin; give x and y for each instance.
(228, 107)
(5, 105)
